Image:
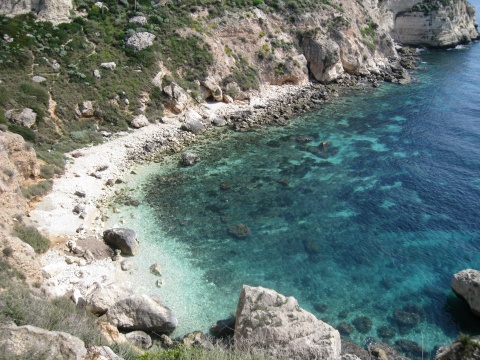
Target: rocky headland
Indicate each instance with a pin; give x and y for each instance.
(299, 60)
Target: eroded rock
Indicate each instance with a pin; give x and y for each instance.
(275, 325)
(466, 285)
(122, 239)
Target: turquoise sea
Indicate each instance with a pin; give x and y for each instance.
(373, 225)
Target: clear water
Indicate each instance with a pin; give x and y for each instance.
(377, 221)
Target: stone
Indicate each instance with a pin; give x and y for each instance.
(411, 349)
(108, 65)
(345, 328)
(155, 269)
(138, 20)
(227, 99)
(189, 159)
(122, 239)
(140, 41)
(166, 341)
(126, 265)
(139, 339)
(30, 342)
(193, 122)
(157, 80)
(102, 353)
(142, 312)
(96, 74)
(466, 285)
(80, 193)
(100, 298)
(178, 99)
(139, 121)
(219, 121)
(197, 338)
(87, 110)
(240, 231)
(25, 117)
(38, 79)
(323, 56)
(275, 325)
(213, 88)
(78, 209)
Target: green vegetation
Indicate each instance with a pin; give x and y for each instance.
(39, 189)
(470, 347)
(369, 31)
(23, 307)
(31, 236)
(427, 6)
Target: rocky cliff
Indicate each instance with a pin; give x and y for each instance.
(432, 23)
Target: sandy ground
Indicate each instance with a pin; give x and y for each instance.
(54, 215)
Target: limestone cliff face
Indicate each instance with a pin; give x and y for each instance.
(431, 23)
(55, 11)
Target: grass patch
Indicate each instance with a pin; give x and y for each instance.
(31, 236)
(38, 189)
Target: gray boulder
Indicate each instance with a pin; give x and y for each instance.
(193, 122)
(87, 110)
(140, 41)
(188, 159)
(323, 55)
(178, 99)
(138, 20)
(22, 342)
(25, 117)
(100, 298)
(466, 285)
(122, 239)
(274, 325)
(96, 74)
(38, 79)
(213, 89)
(139, 121)
(139, 339)
(142, 312)
(108, 65)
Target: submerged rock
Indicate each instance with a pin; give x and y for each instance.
(223, 328)
(240, 231)
(274, 325)
(189, 159)
(363, 324)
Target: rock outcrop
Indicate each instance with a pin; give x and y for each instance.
(272, 324)
(323, 56)
(178, 99)
(140, 41)
(35, 343)
(25, 117)
(55, 11)
(431, 23)
(466, 285)
(142, 312)
(122, 239)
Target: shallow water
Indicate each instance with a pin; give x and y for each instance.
(370, 225)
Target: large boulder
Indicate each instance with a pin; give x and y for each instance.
(139, 339)
(25, 117)
(323, 56)
(22, 342)
(193, 122)
(139, 121)
(177, 97)
(123, 239)
(100, 298)
(142, 312)
(140, 41)
(272, 324)
(466, 285)
(213, 89)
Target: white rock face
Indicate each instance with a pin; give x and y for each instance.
(138, 20)
(55, 11)
(275, 325)
(447, 26)
(466, 284)
(178, 99)
(140, 41)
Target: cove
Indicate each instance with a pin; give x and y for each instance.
(371, 225)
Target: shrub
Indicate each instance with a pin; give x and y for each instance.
(31, 236)
(37, 189)
(7, 251)
(24, 132)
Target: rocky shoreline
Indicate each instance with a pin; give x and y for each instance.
(80, 264)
